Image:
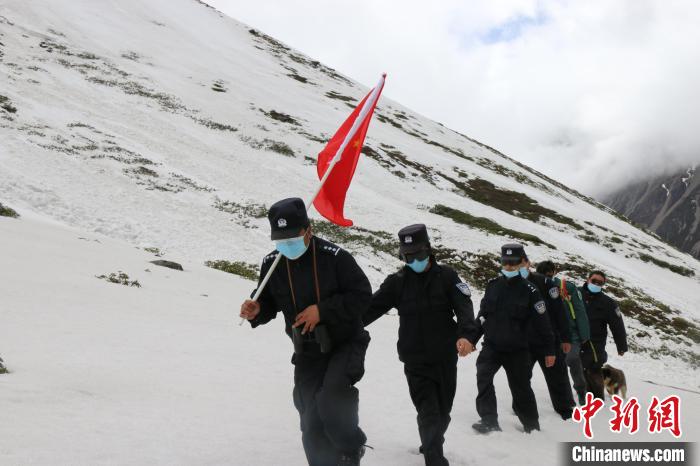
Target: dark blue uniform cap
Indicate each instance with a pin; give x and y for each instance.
(413, 238)
(512, 252)
(287, 217)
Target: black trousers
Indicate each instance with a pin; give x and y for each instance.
(557, 379)
(519, 372)
(432, 388)
(327, 400)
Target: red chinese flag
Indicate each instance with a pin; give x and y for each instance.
(331, 198)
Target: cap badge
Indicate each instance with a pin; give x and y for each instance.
(281, 223)
(408, 239)
(509, 252)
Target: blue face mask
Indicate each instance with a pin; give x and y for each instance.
(419, 266)
(594, 288)
(524, 272)
(292, 248)
(510, 273)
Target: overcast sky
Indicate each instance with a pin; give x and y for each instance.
(590, 92)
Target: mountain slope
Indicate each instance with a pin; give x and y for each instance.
(105, 374)
(667, 205)
(169, 125)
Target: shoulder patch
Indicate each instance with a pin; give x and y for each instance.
(270, 256)
(329, 249)
(554, 292)
(618, 312)
(464, 288)
(540, 307)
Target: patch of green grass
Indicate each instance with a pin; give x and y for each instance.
(119, 278)
(242, 269)
(486, 224)
(155, 251)
(281, 117)
(378, 241)
(476, 268)
(679, 269)
(299, 78)
(338, 96)
(512, 202)
(386, 119)
(270, 145)
(211, 124)
(279, 147)
(393, 157)
(142, 171)
(246, 210)
(6, 211)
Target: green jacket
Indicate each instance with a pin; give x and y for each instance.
(576, 311)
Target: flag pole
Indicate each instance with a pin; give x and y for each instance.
(369, 103)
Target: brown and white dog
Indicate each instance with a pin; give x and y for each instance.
(614, 381)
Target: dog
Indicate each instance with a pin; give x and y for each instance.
(614, 381)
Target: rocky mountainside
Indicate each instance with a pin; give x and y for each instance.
(667, 205)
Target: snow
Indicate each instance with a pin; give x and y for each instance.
(108, 374)
(105, 374)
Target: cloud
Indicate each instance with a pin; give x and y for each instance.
(592, 93)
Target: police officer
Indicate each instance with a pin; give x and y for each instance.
(428, 296)
(509, 305)
(322, 293)
(603, 312)
(579, 330)
(556, 376)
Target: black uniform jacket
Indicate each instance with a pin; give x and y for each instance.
(344, 290)
(427, 304)
(508, 307)
(558, 320)
(602, 312)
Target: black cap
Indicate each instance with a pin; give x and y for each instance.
(413, 238)
(513, 251)
(287, 217)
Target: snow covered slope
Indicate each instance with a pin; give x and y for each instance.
(166, 124)
(106, 374)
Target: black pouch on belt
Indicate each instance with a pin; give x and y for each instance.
(298, 340)
(323, 338)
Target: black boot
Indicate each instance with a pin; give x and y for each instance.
(530, 426)
(582, 398)
(352, 459)
(484, 427)
(435, 457)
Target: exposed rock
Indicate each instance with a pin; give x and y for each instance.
(168, 264)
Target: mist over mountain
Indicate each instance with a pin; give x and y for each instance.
(667, 205)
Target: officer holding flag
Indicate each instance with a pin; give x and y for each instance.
(322, 294)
